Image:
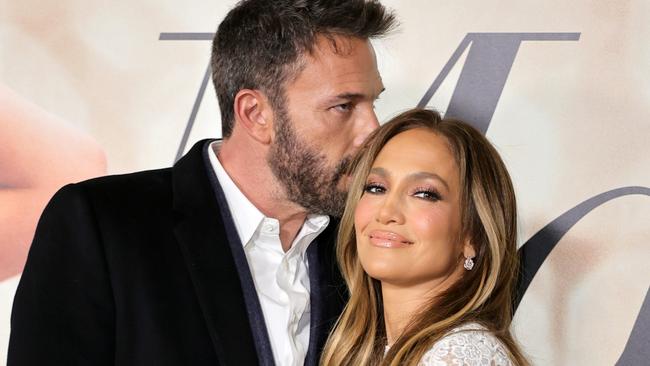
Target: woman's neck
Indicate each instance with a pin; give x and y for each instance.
(402, 303)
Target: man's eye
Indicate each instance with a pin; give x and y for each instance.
(344, 107)
(374, 188)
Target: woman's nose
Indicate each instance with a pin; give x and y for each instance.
(390, 211)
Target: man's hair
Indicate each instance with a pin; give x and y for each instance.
(260, 43)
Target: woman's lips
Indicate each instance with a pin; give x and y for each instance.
(388, 239)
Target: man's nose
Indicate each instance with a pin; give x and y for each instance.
(368, 123)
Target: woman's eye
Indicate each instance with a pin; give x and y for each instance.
(374, 188)
(428, 194)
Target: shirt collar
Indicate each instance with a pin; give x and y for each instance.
(245, 215)
(248, 219)
(311, 228)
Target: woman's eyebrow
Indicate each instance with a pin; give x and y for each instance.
(382, 172)
(428, 175)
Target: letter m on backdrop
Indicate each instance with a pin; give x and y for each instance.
(484, 73)
(479, 86)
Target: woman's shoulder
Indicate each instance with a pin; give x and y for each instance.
(469, 344)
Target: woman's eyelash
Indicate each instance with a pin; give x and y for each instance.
(427, 194)
(374, 188)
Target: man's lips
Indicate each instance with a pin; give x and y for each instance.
(388, 239)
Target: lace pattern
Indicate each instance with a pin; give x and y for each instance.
(468, 345)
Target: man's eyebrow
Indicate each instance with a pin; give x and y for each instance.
(349, 96)
(357, 96)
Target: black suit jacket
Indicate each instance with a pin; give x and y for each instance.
(143, 269)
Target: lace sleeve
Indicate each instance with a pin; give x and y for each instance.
(467, 347)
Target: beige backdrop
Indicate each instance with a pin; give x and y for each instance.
(89, 83)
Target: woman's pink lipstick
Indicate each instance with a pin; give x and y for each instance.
(388, 239)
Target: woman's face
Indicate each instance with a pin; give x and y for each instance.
(407, 221)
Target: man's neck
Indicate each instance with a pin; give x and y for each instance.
(249, 170)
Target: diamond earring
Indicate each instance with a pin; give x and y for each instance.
(469, 264)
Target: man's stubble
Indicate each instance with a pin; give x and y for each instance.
(304, 172)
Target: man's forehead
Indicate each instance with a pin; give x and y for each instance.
(350, 58)
(328, 74)
(340, 45)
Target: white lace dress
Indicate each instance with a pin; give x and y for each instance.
(468, 345)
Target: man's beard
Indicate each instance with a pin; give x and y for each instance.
(304, 173)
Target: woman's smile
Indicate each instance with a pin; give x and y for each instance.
(388, 239)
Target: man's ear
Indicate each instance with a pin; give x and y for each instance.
(254, 114)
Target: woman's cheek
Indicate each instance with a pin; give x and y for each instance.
(363, 213)
(428, 223)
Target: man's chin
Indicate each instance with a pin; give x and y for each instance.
(337, 202)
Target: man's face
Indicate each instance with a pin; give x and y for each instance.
(328, 113)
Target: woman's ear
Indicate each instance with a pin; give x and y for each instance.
(254, 114)
(468, 249)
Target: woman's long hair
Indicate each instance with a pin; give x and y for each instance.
(483, 295)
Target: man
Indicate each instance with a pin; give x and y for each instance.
(226, 258)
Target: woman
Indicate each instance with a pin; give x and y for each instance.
(427, 248)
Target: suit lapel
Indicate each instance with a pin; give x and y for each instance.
(199, 229)
(315, 282)
(207, 246)
(254, 309)
(328, 295)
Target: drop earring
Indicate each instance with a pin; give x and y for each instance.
(469, 264)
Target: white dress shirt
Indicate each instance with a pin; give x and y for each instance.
(281, 278)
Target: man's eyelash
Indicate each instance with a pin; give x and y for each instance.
(343, 107)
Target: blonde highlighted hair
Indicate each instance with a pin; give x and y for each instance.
(483, 295)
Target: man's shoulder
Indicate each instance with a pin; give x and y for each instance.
(124, 190)
(149, 183)
(146, 179)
